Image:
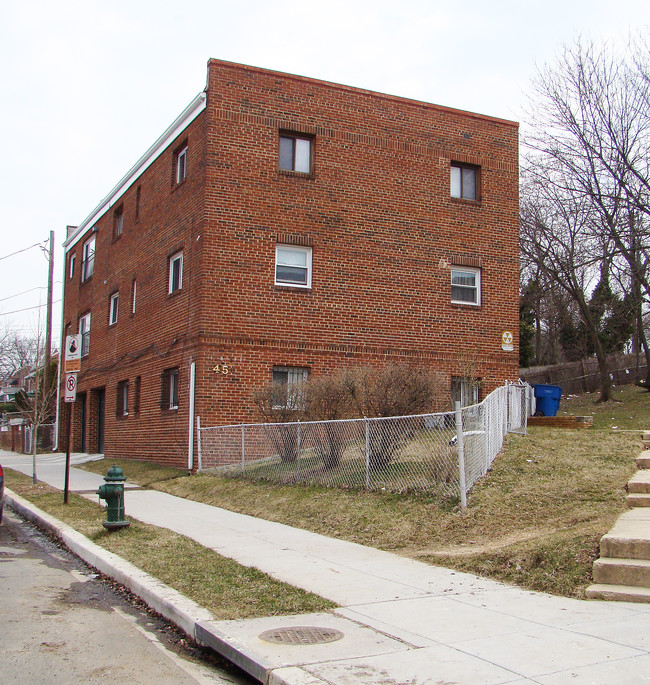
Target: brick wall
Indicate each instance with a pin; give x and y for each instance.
(377, 213)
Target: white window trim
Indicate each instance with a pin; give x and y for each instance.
(84, 331)
(177, 257)
(113, 309)
(73, 257)
(173, 390)
(292, 248)
(476, 288)
(181, 169)
(134, 293)
(88, 259)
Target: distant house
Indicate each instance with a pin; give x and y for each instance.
(283, 227)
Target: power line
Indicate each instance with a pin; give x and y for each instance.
(39, 287)
(26, 309)
(23, 250)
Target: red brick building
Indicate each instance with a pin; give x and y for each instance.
(283, 226)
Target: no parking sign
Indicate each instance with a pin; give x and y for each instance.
(70, 393)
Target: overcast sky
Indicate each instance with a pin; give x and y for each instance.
(87, 85)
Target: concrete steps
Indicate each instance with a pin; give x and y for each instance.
(622, 573)
(643, 460)
(618, 593)
(634, 572)
(638, 489)
(638, 500)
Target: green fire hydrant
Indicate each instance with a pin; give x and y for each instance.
(113, 492)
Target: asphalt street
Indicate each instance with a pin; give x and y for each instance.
(60, 623)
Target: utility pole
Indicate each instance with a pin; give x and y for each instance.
(48, 323)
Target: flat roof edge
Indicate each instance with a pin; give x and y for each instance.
(365, 91)
(191, 112)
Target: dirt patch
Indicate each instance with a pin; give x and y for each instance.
(471, 548)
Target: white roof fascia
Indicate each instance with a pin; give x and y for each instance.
(188, 115)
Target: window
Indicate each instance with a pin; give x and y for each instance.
(71, 265)
(138, 193)
(136, 395)
(84, 332)
(464, 390)
(295, 153)
(118, 222)
(181, 164)
(122, 399)
(88, 259)
(175, 272)
(112, 309)
(287, 381)
(464, 181)
(134, 293)
(169, 389)
(466, 286)
(293, 266)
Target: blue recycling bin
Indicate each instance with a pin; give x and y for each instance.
(547, 399)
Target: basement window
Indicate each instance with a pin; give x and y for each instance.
(288, 386)
(122, 399)
(169, 389)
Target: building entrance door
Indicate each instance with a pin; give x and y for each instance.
(101, 409)
(81, 399)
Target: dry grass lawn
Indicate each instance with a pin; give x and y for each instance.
(536, 519)
(227, 589)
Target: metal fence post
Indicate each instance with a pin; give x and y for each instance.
(298, 450)
(461, 456)
(198, 442)
(243, 448)
(367, 452)
(488, 436)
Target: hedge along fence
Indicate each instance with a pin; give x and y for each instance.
(442, 453)
(583, 376)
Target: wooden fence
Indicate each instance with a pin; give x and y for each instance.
(583, 376)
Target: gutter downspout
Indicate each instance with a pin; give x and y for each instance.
(190, 443)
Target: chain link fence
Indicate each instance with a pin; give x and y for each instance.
(442, 453)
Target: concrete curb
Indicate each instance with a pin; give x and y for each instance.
(175, 607)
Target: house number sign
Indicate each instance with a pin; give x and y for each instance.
(222, 368)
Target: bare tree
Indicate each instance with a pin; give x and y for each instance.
(16, 352)
(590, 132)
(557, 236)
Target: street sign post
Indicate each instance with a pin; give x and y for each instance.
(72, 364)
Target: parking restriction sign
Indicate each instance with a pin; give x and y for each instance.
(70, 394)
(72, 359)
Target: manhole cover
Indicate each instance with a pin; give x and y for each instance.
(301, 635)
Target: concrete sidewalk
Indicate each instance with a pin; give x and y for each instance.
(399, 621)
